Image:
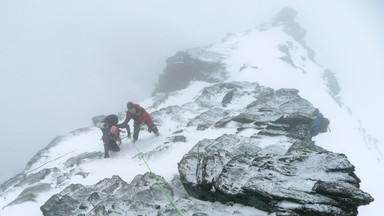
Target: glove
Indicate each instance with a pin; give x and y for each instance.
(129, 135)
(150, 129)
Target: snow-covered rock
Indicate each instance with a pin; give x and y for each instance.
(285, 176)
(110, 196)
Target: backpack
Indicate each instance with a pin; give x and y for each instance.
(111, 119)
(324, 123)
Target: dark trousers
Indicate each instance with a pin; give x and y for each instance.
(136, 129)
(112, 145)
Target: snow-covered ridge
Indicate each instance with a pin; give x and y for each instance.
(245, 85)
(271, 123)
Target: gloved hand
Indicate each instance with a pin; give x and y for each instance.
(129, 135)
(150, 129)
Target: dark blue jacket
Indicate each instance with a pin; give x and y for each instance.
(315, 126)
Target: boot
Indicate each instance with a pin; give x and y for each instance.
(155, 131)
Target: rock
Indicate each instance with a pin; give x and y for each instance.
(79, 158)
(221, 123)
(35, 177)
(207, 118)
(183, 68)
(59, 206)
(111, 196)
(179, 138)
(178, 131)
(170, 111)
(227, 98)
(333, 85)
(343, 192)
(246, 171)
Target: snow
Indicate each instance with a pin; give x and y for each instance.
(256, 48)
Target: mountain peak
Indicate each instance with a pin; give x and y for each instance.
(286, 16)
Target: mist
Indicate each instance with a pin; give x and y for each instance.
(63, 62)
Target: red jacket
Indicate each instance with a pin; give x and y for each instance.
(139, 117)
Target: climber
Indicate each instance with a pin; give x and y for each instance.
(319, 124)
(139, 116)
(111, 133)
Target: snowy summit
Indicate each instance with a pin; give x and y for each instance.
(234, 121)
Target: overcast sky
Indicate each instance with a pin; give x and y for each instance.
(63, 62)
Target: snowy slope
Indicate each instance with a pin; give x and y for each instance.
(266, 55)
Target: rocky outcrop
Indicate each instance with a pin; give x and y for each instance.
(286, 18)
(333, 85)
(283, 177)
(110, 196)
(143, 196)
(185, 67)
(278, 168)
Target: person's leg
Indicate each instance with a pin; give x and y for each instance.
(155, 130)
(113, 146)
(152, 128)
(136, 130)
(106, 141)
(106, 155)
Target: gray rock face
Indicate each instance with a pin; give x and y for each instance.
(286, 18)
(141, 197)
(183, 68)
(207, 118)
(171, 112)
(281, 177)
(227, 98)
(110, 197)
(178, 138)
(333, 85)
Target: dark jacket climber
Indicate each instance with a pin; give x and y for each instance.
(316, 124)
(111, 134)
(139, 116)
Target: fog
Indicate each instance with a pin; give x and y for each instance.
(63, 62)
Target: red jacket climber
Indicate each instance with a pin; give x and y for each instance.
(139, 116)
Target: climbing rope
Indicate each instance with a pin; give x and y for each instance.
(153, 175)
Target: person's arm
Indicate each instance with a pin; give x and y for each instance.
(127, 118)
(126, 126)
